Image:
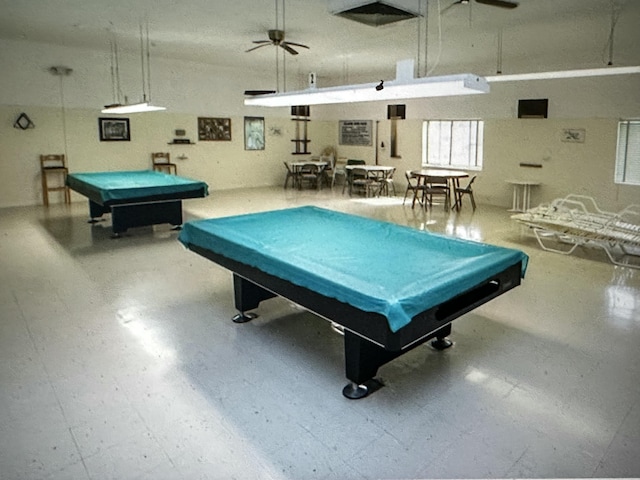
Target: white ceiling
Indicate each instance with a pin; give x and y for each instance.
(537, 35)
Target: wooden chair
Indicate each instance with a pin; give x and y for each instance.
(162, 163)
(55, 164)
(415, 187)
(460, 191)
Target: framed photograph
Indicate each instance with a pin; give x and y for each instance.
(114, 129)
(254, 133)
(214, 129)
(575, 135)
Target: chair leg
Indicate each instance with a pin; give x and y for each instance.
(405, 196)
(45, 189)
(473, 201)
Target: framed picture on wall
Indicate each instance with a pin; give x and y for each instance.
(114, 129)
(573, 135)
(355, 132)
(214, 129)
(254, 133)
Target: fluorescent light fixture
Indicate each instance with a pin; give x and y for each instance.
(590, 72)
(403, 87)
(132, 108)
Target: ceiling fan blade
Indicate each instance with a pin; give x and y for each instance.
(288, 48)
(297, 44)
(261, 41)
(499, 3)
(259, 46)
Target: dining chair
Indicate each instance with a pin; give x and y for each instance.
(386, 182)
(339, 170)
(414, 186)
(327, 171)
(310, 175)
(365, 182)
(162, 163)
(437, 186)
(351, 175)
(290, 176)
(460, 191)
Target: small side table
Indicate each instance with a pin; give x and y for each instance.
(521, 194)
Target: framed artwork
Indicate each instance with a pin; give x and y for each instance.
(575, 135)
(114, 129)
(254, 133)
(214, 129)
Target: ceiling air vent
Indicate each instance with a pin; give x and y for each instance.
(376, 13)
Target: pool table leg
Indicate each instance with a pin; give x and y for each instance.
(96, 211)
(363, 358)
(247, 296)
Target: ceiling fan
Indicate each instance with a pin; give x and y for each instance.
(276, 37)
(493, 3)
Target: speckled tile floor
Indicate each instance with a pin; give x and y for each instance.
(118, 360)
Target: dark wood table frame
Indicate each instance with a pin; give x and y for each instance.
(369, 343)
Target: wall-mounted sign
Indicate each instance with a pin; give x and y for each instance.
(355, 132)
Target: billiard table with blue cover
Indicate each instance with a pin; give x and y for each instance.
(390, 288)
(136, 198)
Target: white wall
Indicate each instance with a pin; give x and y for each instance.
(190, 90)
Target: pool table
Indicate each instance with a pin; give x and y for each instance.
(136, 198)
(389, 288)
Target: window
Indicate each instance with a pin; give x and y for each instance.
(453, 144)
(628, 153)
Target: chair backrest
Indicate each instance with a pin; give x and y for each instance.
(53, 161)
(390, 174)
(309, 169)
(440, 182)
(358, 174)
(411, 178)
(468, 187)
(286, 165)
(330, 159)
(352, 161)
(160, 158)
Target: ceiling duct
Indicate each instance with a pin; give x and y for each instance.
(376, 14)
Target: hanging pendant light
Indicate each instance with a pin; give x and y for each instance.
(145, 105)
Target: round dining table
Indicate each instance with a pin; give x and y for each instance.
(452, 176)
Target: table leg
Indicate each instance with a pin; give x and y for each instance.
(363, 358)
(526, 196)
(455, 184)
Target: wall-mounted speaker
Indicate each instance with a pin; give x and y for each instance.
(398, 112)
(535, 108)
(300, 110)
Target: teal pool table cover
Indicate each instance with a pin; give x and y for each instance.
(375, 266)
(110, 186)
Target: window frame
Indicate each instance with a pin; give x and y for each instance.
(474, 162)
(623, 160)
